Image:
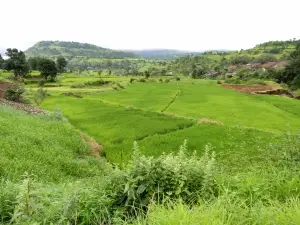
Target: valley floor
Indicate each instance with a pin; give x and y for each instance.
(49, 173)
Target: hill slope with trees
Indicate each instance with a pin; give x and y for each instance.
(69, 50)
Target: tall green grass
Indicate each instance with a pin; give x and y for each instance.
(44, 146)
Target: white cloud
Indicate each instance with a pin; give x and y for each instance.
(139, 24)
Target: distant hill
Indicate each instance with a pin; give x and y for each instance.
(52, 49)
(163, 54)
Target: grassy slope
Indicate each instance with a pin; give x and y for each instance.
(48, 148)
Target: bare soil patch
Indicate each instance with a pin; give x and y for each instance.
(260, 89)
(20, 106)
(3, 88)
(205, 120)
(97, 149)
(250, 89)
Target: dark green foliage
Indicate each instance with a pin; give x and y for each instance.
(240, 59)
(16, 62)
(48, 69)
(147, 74)
(265, 58)
(1, 61)
(61, 64)
(34, 63)
(291, 74)
(15, 91)
(195, 66)
(97, 83)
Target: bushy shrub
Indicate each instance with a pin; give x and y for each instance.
(41, 83)
(167, 177)
(177, 78)
(78, 85)
(97, 83)
(131, 80)
(57, 115)
(167, 80)
(120, 85)
(40, 96)
(15, 91)
(142, 80)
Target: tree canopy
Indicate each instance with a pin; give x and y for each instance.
(291, 74)
(47, 67)
(16, 62)
(61, 64)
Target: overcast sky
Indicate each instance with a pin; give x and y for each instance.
(145, 24)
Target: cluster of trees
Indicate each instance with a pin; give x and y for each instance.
(245, 59)
(291, 74)
(197, 66)
(17, 63)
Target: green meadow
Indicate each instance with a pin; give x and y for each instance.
(239, 164)
(160, 116)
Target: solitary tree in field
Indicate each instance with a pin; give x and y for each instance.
(48, 69)
(16, 62)
(61, 64)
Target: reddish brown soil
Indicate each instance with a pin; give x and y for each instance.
(251, 89)
(3, 88)
(96, 148)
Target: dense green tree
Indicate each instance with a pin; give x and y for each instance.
(291, 74)
(241, 59)
(33, 63)
(48, 69)
(147, 74)
(265, 58)
(16, 62)
(61, 64)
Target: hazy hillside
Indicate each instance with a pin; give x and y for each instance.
(74, 49)
(167, 54)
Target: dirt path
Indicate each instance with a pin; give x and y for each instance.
(20, 106)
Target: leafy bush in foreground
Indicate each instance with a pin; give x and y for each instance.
(167, 177)
(15, 91)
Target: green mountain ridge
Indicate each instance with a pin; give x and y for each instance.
(53, 49)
